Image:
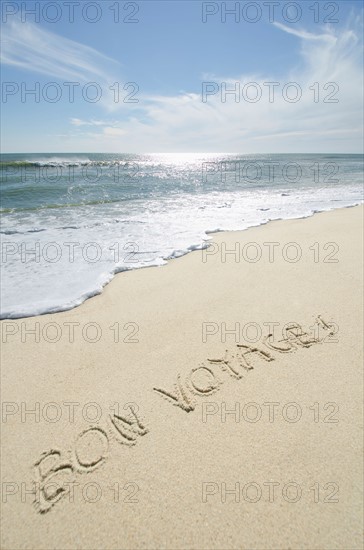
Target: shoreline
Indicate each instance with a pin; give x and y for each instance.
(210, 235)
(183, 407)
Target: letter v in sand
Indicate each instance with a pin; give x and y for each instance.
(179, 398)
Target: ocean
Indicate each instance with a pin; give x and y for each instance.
(70, 222)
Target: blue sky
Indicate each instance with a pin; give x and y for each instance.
(168, 53)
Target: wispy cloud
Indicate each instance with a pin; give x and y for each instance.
(110, 128)
(184, 123)
(112, 131)
(305, 35)
(80, 122)
(30, 47)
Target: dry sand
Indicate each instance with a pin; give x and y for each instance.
(168, 480)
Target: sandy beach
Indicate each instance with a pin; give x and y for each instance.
(212, 403)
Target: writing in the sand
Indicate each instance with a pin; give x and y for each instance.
(55, 471)
(206, 379)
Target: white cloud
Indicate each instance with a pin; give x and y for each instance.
(30, 47)
(108, 131)
(183, 123)
(301, 33)
(79, 122)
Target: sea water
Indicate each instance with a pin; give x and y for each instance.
(70, 222)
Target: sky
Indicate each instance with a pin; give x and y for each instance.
(182, 76)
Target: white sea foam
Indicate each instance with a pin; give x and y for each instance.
(80, 248)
